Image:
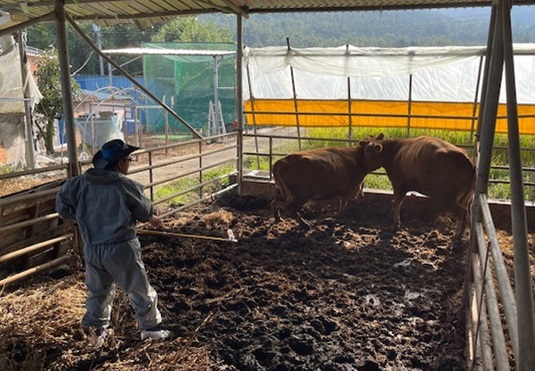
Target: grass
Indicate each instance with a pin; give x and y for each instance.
(219, 178)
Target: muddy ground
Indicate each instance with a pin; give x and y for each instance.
(347, 295)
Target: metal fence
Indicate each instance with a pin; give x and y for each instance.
(267, 148)
(34, 239)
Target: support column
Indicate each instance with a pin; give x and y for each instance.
(66, 92)
(239, 95)
(525, 358)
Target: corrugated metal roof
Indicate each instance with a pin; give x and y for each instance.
(148, 12)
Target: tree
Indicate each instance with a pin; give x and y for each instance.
(51, 105)
(190, 29)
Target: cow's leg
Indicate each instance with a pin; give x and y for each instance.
(276, 205)
(396, 206)
(294, 206)
(342, 204)
(458, 206)
(461, 214)
(357, 193)
(302, 222)
(275, 209)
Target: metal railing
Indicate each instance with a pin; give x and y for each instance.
(488, 343)
(34, 239)
(273, 150)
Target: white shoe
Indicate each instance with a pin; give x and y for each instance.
(156, 333)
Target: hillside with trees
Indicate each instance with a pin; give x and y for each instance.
(466, 26)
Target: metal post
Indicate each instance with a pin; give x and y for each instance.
(492, 76)
(490, 100)
(474, 109)
(296, 107)
(98, 31)
(239, 96)
(525, 359)
(350, 117)
(409, 107)
(216, 96)
(65, 79)
(253, 116)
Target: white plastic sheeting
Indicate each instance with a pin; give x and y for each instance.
(11, 87)
(445, 74)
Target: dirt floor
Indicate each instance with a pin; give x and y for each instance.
(347, 295)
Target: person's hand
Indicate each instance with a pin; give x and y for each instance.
(155, 222)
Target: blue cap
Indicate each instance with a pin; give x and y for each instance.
(111, 153)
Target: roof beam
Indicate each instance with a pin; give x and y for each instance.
(236, 8)
(47, 17)
(161, 15)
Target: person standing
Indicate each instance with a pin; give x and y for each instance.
(106, 205)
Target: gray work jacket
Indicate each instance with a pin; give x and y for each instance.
(106, 205)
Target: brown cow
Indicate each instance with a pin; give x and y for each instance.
(430, 166)
(319, 174)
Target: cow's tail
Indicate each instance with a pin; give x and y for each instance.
(280, 192)
(466, 198)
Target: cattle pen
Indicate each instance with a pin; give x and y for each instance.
(498, 298)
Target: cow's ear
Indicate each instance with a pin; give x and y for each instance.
(380, 136)
(363, 143)
(377, 147)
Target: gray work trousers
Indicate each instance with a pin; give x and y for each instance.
(121, 264)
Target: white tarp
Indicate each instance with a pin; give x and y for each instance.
(11, 94)
(448, 74)
(11, 85)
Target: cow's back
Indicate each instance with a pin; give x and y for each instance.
(432, 167)
(321, 174)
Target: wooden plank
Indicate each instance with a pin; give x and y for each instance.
(34, 247)
(41, 268)
(18, 240)
(12, 206)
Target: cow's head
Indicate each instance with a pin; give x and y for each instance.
(373, 149)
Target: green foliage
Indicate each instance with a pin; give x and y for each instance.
(381, 29)
(219, 178)
(5, 169)
(51, 105)
(81, 57)
(190, 29)
(174, 188)
(377, 181)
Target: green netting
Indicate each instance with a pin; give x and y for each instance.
(186, 83)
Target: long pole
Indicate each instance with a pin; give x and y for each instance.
(296, 105)
(239, 96)
(177, 235)
(66, 92)
(523, 281)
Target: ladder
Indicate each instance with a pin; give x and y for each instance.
(216, 124)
